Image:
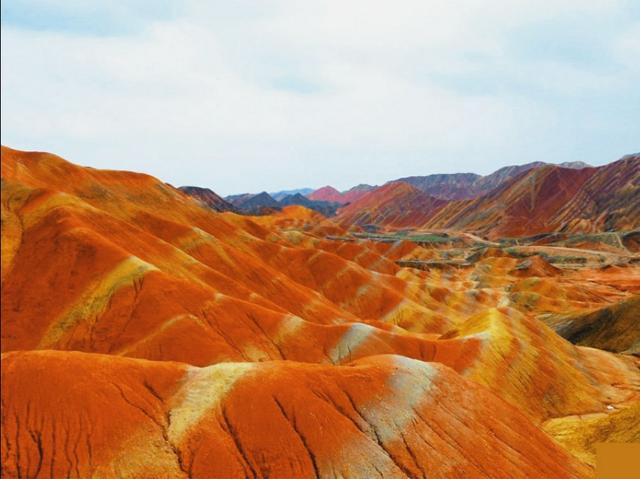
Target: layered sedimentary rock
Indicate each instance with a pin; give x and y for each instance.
(392, 205)
(613, 328)
(329, 193)
(174, 341)
(522, 201)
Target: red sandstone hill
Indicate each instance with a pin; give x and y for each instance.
(445, 186)
(550, 199)
(326, 193)
(540, 199)
(356, 192)
(520, 207)
(385, 416)
(329, 193)
(175, 341)
(490, 182)
(459, 186)
(609, 200)
(392, 205)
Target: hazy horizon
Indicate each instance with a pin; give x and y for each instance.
(243, 98)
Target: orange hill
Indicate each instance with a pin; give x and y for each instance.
(385, 416)
(176, 341)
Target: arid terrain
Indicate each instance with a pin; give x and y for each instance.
(434, 327)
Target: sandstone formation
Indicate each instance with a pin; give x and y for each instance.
(145, 335)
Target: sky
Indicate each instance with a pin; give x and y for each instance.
(246, 96)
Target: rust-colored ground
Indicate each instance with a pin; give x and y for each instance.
(144, 335)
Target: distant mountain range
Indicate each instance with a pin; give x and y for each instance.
(279, 195)
(327, 208)
(261, 203)
(526, 201)
(329, 193)
(458, 186)
(514, 200)
(552, 198)
(448, 186)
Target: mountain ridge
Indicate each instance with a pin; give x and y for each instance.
(155, 325)
(457, 186)
(552, 198)
(209, 197)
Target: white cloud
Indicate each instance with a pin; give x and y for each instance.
(306, 93)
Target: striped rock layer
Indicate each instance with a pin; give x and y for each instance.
(174, 341)
(537, 200)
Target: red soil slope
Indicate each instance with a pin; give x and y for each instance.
(392, 205)
(357, 192)
(326, 193)
(609, 200)
(386, 416)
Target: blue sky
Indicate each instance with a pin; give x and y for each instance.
(250, 96)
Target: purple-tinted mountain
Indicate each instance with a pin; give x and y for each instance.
(460, 186)
(208, 197)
